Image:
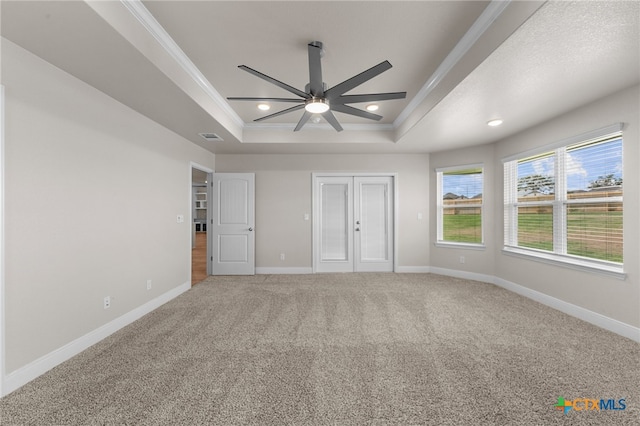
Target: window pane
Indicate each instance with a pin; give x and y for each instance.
(462, 224)
(462, 185)
(595, 170)
(535, 227)
(462, 205)
(536, 178)
(595, 231)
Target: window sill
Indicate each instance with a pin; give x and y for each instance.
(467, 246)
(610, 270)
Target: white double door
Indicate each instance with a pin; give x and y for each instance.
(353, 223)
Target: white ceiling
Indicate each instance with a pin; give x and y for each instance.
(461, 64)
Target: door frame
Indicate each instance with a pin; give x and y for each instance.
(209, 172)
(315, 207)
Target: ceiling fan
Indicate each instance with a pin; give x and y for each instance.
(317, 99)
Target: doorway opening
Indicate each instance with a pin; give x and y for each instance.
(200, 205)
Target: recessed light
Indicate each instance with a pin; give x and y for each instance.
(372, 107)
(264, 107)
(494, 123)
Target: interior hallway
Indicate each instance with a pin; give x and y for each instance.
(199, 259)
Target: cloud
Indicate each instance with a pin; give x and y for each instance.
(574, 167)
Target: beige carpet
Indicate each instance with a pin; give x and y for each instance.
(351, 349)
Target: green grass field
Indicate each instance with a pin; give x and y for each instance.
(593, 235)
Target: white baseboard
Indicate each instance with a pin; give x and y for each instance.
(25, 374)
(413, 269)
(464, 274)
(284, 271)
(591, 317)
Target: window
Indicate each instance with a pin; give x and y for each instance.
(460, 205)
(565, 203)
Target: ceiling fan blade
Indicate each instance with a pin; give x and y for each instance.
(274, 81)
(315, 69)
(328, 115)
(355, 111)
(284, 111)
(357, 80)
(266, 99)
(305, 117)
(373, 97)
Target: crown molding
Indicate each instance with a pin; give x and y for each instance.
(149, 22)
(321, 126)
(482, 24)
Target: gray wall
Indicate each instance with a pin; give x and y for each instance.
(92, 191)
(608, 296)
(283, 196)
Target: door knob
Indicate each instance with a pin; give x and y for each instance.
(250, 229)
(357, 229)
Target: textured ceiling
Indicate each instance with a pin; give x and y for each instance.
(461, 63)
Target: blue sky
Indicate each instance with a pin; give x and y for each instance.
(467, 185)
(583, 165)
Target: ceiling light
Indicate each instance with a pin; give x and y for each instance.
(372, 107)
(264, 107)
(316, 105)
(494, 123)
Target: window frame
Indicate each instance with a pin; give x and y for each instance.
(440, 207)
(558, 255)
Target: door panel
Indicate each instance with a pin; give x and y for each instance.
(233, 223)
(334, 224)
(373, 214)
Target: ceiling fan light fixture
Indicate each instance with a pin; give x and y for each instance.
(494, 123)
(264, 107)
(316, 105)
(372, 107)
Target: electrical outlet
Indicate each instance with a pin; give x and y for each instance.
(462, 259)
(281, 256)
(107, 302)
(148, 284)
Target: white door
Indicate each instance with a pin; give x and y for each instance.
(233, 222)
(353, 223)
(373, 214)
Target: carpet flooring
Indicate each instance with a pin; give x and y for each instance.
(340, 349)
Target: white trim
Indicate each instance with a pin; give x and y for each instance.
(463, 274)
(366, 127)
(465, 246)
(591, 317)
(142, 14)
(45, 363)
(2, 263)
(482, 24)
(595, 318)
(568, 261)
(283, 271)
(413, 269)
(583, 137)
